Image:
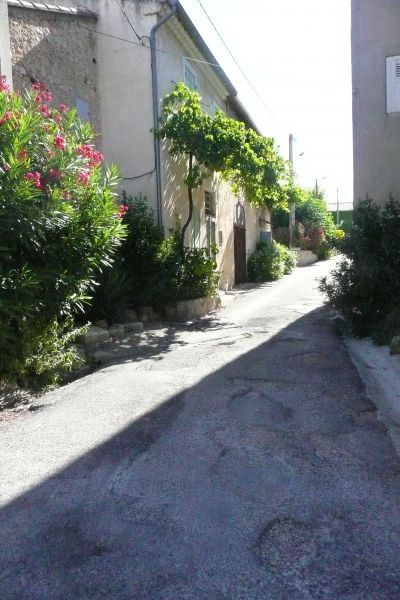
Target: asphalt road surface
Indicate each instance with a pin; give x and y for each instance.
(235, 458)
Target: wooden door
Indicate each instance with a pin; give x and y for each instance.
(239, 239)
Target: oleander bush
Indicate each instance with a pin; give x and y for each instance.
(59, 225)
(315, 227)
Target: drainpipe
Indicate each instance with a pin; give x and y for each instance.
(156, 111)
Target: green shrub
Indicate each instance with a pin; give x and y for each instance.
(112, 295)
(270, 262)
(58, 227)
(193, 276)
(315, 227)
(365, 286)
(150, 270)
(289, 259)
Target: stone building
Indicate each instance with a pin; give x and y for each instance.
(116, 67)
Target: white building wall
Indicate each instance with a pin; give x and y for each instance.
(375, 36)
(173, 39)
(5, 51)
(125, 91)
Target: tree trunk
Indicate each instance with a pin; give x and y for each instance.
(190, 198)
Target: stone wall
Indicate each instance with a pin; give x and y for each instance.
(58, 50)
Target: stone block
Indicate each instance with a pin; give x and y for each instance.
(101, 356)
(146, 314)
(395, 345)
(102, 324)
(94, 335)
(117, 331)
(187, 310)
(134, 327)
(130, 315)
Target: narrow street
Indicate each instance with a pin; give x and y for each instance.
(238, 458)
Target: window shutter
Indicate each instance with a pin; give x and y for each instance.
(393, 84)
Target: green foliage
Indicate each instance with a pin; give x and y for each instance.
(113, 294)
(194, 276)
(138, 255)
(365, 286)
(270, 262)
(58, 227)
(315, 227)
(150, 270)
(289, 259)
(245, 159)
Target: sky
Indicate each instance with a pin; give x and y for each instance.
(297, 55)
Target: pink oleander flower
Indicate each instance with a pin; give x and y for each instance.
(44, 110)
(6, 117)
(87, 151)
(23, 154)
(82, 178)
(35, 178)
(60, 142)
(62, 108)
(42, 93)
(3, 86)
(122, 210)
(55, 173)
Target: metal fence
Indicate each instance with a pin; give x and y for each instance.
(343, 206)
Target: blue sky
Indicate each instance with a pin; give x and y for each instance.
(297, 54)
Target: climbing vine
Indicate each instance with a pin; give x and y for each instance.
(245, 159)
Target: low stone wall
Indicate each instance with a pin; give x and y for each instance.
(305, 257)
(187, 310)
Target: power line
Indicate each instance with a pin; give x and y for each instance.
(141, 45)
(127, 18)
(240, 68)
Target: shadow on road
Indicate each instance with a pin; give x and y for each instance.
(271, 478)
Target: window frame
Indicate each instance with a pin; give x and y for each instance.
(188, 66)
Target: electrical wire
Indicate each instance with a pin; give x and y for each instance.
(128, 20)
(116, 37)
(261, 99)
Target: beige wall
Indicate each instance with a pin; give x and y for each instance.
(375, 35)
(125, 91)
(5, 54)
(42, 51)
(174, 40)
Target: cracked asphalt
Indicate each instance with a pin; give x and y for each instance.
(238, 458)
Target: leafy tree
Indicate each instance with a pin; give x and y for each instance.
(58, 226)
(245, 159)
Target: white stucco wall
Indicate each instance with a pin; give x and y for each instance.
(125, 90)
(5, 53)
(174, 40)
(375, 35)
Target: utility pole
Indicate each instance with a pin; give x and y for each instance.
(337, 207)
(316, 188)
(292, 207)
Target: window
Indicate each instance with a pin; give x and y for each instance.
(211, 228)
(211, 235)
(209, 204)
(393, 84)
(190, 76)
(82, 109)
(195, 234)
(216, 107)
